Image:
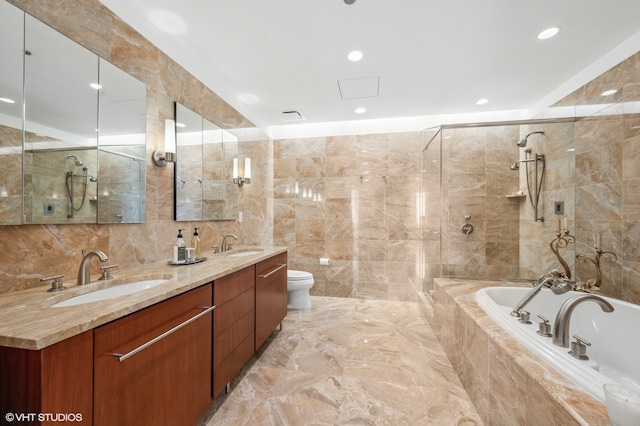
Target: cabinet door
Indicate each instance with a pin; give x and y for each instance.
(56, 379)
(271, 296)
(167, 382)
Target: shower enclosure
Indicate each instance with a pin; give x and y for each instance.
(477, 220)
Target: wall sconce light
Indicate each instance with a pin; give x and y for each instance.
(246, 173)
(168, 153)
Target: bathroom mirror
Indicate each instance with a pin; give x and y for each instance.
(81, 157)
(121, 147)
(11, 46)
(60, 122)
(203, 186)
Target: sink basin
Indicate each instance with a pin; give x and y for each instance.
(110, 292)
(244, 252)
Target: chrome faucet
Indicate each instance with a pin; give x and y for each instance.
(225, 245)
(558, 287)
(561, 324)
(84, 274)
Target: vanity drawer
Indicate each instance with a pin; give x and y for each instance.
(230, 286)
(154, 366)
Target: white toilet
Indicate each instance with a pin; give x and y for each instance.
(298, 285)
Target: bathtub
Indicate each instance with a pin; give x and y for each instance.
(614, 354)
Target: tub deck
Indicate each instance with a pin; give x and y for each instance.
(507, 383)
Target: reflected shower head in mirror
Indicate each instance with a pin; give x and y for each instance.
(523, 141)
(516, 165)
(76, 160)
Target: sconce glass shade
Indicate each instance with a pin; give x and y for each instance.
(246, 173)
(234, 173)
(247, 170)
(168, 153)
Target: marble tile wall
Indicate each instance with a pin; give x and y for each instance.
(475, 182)
(354, 200)
(557, 145)
(30, 252)
(607, 170)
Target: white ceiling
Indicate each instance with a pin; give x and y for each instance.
(433, 59)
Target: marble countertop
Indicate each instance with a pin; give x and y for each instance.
(28, 320)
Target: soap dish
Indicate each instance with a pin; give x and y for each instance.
(201, 259)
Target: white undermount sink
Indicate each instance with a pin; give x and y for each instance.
(244, 252)
(110, 292)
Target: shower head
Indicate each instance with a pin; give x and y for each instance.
(76, 160)
(516, 165)
(523, 141)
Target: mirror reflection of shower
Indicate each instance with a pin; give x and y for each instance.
(71, 178)
(533, 188)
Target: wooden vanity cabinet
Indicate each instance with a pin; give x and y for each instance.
(167, 382)
(271, 296)
(56, 379)
(233, 325)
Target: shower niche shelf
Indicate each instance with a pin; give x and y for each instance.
(516, 196)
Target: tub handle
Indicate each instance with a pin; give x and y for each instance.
(579, 348)
(544, 328)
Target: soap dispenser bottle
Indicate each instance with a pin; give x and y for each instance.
(179, 249)
(195, 243)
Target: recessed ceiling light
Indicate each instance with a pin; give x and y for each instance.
(548, 33)
(355, 56)
(609, 92)
(482, 101)
(7, 100)
(95, 86)
(178, 124)
(361, 110)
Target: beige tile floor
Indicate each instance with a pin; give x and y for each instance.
(348, 362)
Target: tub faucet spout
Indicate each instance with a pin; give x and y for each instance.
(84, 274)
(563, 318)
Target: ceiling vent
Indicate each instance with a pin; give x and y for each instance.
(291, 116)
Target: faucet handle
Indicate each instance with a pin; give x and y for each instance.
(579, 348)
(524, 317)
(544, 328)
(56, 285)
(216, 249)
(106, 272)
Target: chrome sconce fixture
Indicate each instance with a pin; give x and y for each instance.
(167, 154)
(244, 176)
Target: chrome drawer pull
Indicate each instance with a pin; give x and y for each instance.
(122, 357)
(281, 265)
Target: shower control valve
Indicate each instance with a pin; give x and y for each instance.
(467, 228)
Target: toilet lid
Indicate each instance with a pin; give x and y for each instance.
(294, 275)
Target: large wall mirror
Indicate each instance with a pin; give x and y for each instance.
(204, 156)
(77, 155)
